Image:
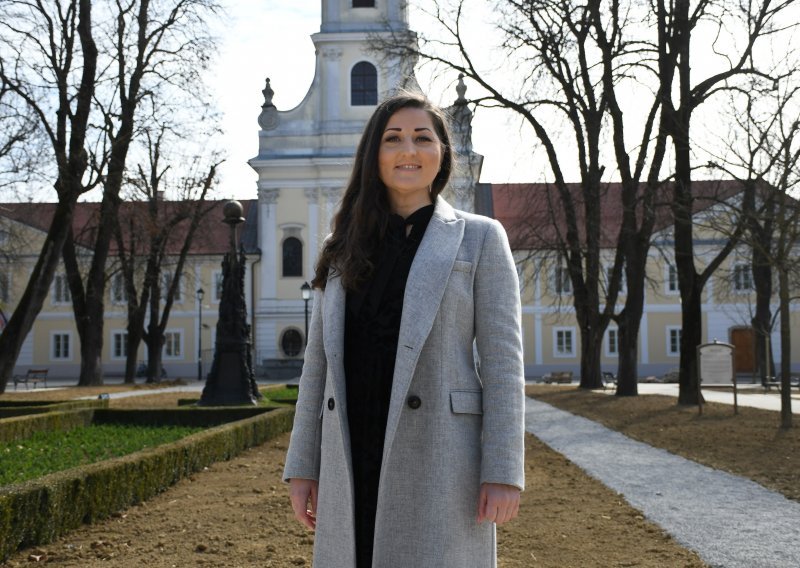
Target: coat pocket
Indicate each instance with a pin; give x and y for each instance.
(462, 266)
(466, 402)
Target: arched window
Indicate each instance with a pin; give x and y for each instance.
(363, 3)
(364, 84)
(292, 257)
(291, 342)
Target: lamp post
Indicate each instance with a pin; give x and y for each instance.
(305, 289)
(200, 294)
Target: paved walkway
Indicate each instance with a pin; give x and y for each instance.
(730, 521)
(748, 395)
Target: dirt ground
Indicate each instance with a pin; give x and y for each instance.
(237, 513)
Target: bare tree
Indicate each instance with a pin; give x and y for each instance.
(148, 231)
(764, 154)
(158, 51)
(20, 139)
(48, 65)
(677, 23)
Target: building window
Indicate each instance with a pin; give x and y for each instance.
(173, 345)
(291, 342)
(119, 294)
(564, 342)
(61, 293)
(364, 84)
(612, 342)
(217, 279)
(672, 279)
(742, 278)
(292, 257)
(60, 346)
(119, 344)
(166, 282)
(561, 283)
(5, 286)
(363, 3)
(673, 341)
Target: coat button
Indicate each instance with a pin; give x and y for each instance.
(331, 404)
(414, 402)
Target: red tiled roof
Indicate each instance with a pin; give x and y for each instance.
(212, 236)
(534, 218)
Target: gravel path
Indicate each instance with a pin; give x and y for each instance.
(729, 521)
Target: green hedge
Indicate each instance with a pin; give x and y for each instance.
(22, 427)
(10, 409)
(38, 511)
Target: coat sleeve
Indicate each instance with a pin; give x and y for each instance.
(499, 344)
(303, 457)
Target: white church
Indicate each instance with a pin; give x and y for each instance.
(305, 156)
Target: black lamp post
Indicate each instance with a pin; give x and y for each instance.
(305, 289)
(200, 294)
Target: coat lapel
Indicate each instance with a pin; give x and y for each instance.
(425, 287)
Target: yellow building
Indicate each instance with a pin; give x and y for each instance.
(550, 330)
(53, 343)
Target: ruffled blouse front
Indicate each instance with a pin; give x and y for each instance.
(372, 327)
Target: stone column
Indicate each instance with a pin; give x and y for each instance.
(312, 245)
(332, 195)
(268, 204)
(331, 57)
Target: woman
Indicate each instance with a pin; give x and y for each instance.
(403, 455)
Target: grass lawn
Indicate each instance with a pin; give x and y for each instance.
(48, 452)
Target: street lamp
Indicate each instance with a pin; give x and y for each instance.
(200, 294)
(305, 289)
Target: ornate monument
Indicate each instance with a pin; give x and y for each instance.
(231, 380)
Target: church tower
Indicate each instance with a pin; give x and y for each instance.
(304, 160)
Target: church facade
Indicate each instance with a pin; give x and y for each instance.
(305, 156)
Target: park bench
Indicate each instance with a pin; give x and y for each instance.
(558, 377)
(609, 380)
(34, 376)
(794, 381)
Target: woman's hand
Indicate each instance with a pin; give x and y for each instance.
(303, 493)
(498, 503)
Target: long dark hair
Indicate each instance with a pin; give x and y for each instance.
(363, 217)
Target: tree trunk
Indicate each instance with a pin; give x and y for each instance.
(591, 348)
(691, 337)
(135, 335)
(786, 349)
(628, 356)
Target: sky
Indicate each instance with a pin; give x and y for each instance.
(271, 38)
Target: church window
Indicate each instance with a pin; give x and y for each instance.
(291, 342)
(364, 84)
(292, 257)
(363, 3)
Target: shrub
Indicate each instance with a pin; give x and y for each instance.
(38, 511)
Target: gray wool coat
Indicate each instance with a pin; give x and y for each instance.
(450, 427)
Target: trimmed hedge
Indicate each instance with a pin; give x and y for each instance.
(39, 511)
(22, 427)
(23, 408)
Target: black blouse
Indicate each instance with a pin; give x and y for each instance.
(372, 327)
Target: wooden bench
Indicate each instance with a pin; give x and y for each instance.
(34, 376)
(559, 377)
